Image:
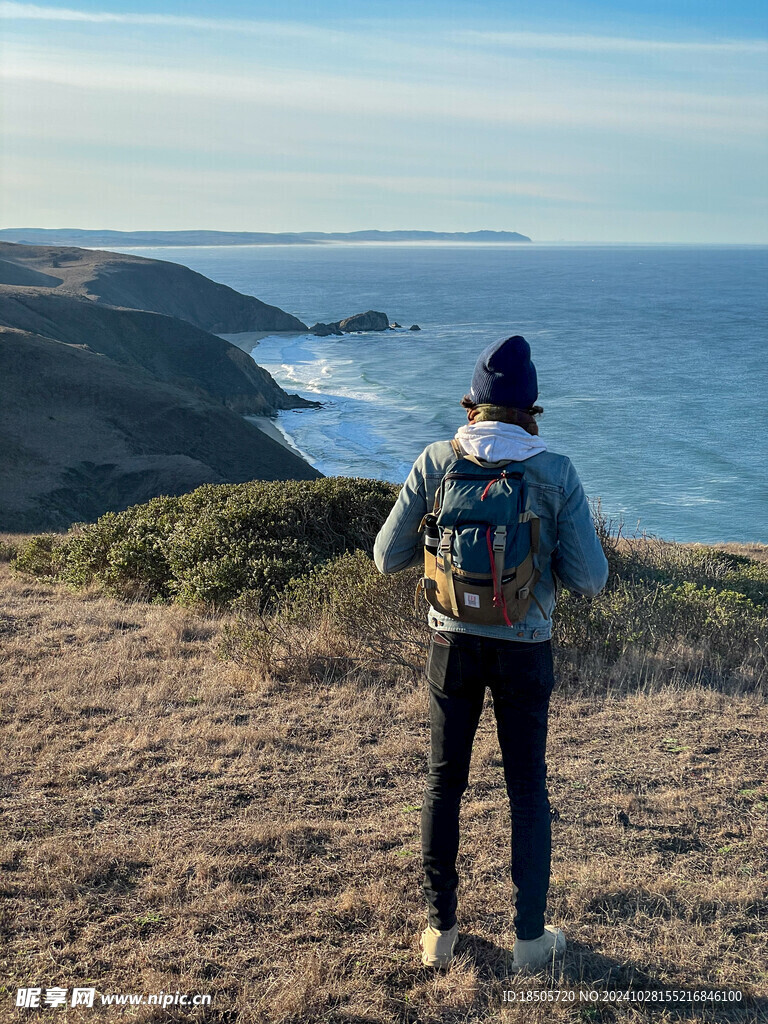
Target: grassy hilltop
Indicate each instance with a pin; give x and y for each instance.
(216, 738)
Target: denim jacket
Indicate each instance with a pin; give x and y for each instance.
(569, 548)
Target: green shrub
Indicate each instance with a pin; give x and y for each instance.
(292, 559)
(217, 542)
(8, 551)
(668, 614)
(123, 551)
(341, 617)
(356, 600)
(653, 561)
(40, 556)
(633, 614)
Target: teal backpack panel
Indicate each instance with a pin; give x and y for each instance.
(473, 500)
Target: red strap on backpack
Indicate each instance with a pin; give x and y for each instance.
(498, 593)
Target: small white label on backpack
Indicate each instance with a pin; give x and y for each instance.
(472, 600)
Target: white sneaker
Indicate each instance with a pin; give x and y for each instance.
(536, 953)
(437, 947)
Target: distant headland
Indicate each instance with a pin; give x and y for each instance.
(127, 239)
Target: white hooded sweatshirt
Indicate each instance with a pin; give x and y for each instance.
(493, 441)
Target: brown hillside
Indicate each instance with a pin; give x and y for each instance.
(168, 348)
(117, 279)
(81, 434)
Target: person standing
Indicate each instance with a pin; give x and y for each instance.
(513, 658)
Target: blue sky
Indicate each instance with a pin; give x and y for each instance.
(591, 121)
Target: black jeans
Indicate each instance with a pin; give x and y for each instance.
(520, 675)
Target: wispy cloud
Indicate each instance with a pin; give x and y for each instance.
(329, 93)
(540, 41)
(11, 11)
(607, 44)
(454, 187)
(322, 182)
(352, 119)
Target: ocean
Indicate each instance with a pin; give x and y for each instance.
(652, 363)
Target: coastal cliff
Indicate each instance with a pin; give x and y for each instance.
(83, 435)
(135, 282)
(103, 406)
(168, 348)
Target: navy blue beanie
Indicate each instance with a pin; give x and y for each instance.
(505, 375)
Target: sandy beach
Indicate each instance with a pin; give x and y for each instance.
(267, 425)
(246, 340)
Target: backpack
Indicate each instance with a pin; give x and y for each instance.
(481, 543)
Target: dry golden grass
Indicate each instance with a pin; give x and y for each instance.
(173, 822)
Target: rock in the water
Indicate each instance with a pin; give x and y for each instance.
(395, 324)
(324, 330)
(368, 321)
(414, 327)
